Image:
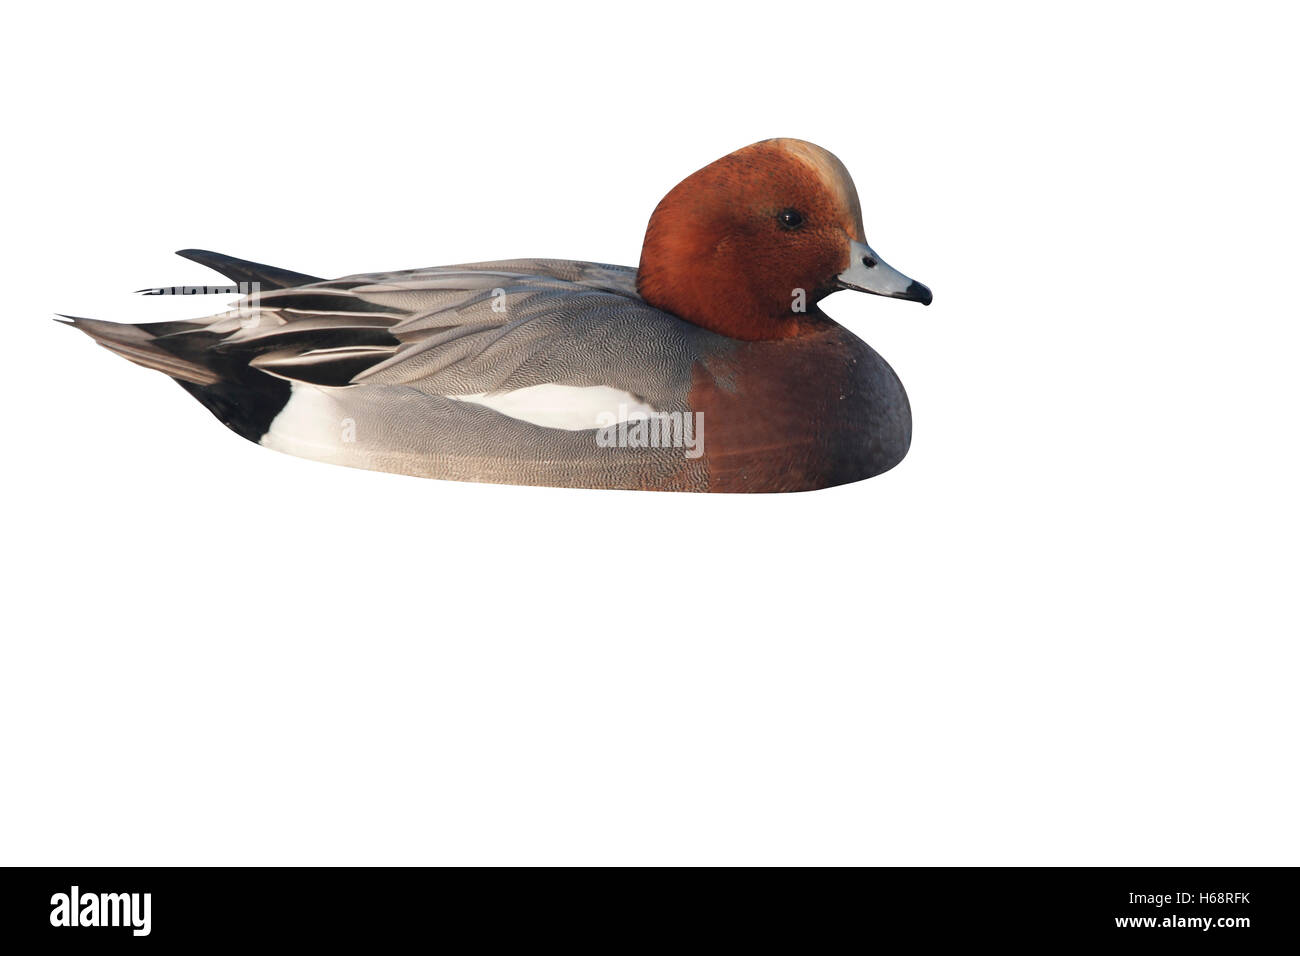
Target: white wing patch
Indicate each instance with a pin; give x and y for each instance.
(317, 422)
(570, 407)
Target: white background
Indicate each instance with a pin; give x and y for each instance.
(1063, 631)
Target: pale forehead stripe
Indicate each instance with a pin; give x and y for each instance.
(828, 169)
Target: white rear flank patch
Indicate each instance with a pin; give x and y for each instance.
(312, 424)
(571, 407)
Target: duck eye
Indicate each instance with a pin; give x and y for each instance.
(790, 218)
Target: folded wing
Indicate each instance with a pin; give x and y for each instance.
(481, 329)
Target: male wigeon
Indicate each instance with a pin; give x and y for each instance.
(708, 368)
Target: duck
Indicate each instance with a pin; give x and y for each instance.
(709, 367)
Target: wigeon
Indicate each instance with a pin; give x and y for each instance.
(708, 368)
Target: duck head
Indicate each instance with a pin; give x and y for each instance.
(747, 245)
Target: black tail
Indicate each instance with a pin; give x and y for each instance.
(247, 406)
(244, 399)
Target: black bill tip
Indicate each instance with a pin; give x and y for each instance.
(918, 293)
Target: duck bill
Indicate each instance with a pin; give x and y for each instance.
(868, 272)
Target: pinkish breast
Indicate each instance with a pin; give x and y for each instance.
(798, 414)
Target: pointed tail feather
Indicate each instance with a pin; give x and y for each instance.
(243, 399)
(241, 270)
(138, 345)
